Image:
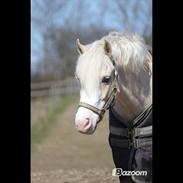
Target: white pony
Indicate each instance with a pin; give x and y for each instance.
(116, 73)
(119, 61)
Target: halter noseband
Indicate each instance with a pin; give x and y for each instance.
(106, 106)
(110, 99)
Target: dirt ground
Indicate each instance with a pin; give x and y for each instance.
(66, 156)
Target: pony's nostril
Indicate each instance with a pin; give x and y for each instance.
(86, 122)
(87, 119)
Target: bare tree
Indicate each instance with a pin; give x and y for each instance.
(44, 18)
(135, 12)
(61, 22)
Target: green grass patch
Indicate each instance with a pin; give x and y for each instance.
(41, 130)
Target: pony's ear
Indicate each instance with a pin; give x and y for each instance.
(107, 48)
(80, 47)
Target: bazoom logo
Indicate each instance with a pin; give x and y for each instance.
(119, 172)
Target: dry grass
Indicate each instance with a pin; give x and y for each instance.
(68, 156)
(44, 113)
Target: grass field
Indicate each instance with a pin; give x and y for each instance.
(60, 154)
(44, 114)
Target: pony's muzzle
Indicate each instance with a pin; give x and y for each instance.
(83, 125)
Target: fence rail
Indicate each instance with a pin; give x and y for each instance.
(53, 88)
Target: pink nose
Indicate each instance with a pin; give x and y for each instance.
(83, 125)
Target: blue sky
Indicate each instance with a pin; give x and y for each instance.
(96, 12)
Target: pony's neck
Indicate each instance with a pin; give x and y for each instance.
(135, 92)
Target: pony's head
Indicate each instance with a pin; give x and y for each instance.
(97, 75)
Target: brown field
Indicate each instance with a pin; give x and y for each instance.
(66, 156)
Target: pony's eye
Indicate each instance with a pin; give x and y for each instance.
(106, 79)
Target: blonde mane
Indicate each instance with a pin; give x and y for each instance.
(129, 49)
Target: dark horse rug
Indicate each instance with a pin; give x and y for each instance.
(131, 145)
